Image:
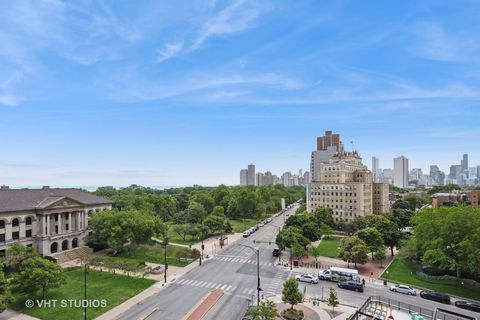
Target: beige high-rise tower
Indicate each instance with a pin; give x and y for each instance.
(346, 186)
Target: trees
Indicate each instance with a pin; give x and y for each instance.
(16, 254)
(38, 274)
(195, 212)
(448, 238)
(372, 238)
(116, 228)
(291, 294)
(353, 249)
(288, 235)
(380, 255)
(390, 234)
(402, 217)
(298, 250)
(324, 215)
(265, 311)
(182, 230)
(326, 230)
(215, 223)
(333, 299)
(5, 293)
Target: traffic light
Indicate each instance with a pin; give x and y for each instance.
(203, 247)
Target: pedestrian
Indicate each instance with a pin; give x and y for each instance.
(363, 282)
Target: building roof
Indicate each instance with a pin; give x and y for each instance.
(30, 199)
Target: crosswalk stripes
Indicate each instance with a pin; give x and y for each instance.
(205, 284)
(241, 260)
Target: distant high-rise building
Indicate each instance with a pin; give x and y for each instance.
(306, 177)
(387, 176)
(327, 146)
(375, 168)
(472, 173)
(455, 172)
(478, 172)
(268, 178)
(251, 175)
(328, 140)
(260, 178)
(437, 177)
(400, 172)
(464, 162)
(287, 179)
(416, 176)
(243, 177)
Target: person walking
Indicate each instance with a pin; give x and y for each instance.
(363, 282)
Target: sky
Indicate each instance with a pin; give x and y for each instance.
(189, 92)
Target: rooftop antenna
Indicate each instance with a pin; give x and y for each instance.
(351, 142)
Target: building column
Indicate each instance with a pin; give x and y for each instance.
(60, 223)
(70, 227)
(48, 225)
(86, 220)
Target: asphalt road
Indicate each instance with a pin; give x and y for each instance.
(234, 269)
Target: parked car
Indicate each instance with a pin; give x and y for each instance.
(306, 277)
(157, 270)
(435, 296)
(261, 224)
(247, 234)
(277, 252)
(401, 288)
(269, 220)
(472, 306)
(351, 285)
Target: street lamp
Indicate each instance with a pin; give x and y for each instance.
(258, 270)
(165, 242)
(203, 246)
(85, 293)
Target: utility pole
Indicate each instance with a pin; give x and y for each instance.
(203, 246)
(258, 278)
(165, 242)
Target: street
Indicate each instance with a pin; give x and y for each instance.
(234, 269)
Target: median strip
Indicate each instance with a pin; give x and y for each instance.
(204, 306)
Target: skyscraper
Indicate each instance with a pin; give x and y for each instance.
(400, 172)
(375, 168)
(243, 177)
(327, 146)
(464, 162)
(260, 179)
(437, 177)
(251, 175)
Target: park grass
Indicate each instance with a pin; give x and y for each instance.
(155, 253)
(402, 270)
(114, 288)
(240, 225)
(329, 247)
(175, 238)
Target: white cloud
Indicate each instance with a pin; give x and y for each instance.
(170, 50)
(432, 41)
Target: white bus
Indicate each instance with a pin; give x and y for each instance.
(338, 274)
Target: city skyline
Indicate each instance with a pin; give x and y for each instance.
(107, 95)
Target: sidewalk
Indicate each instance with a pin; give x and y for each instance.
(173, 273)
(10, 314)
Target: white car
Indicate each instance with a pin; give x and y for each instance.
(400, 288)
(269, 220)
(246, 234)
(306, 277)
(261, 224)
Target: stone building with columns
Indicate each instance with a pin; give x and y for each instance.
(50, 219)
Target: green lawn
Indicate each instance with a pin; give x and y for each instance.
(329, 247)
(175, 238)
(113, 288)
(402, 270)
(242, 224)
(155, 253)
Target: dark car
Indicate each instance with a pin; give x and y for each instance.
(468, 305)
(276, 252)
(435, 296)
(351, 285)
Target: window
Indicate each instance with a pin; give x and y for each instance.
(28, 233)
(15, 222)
(16, 235)
(28, 221)
(66, 227)
(2, 237)
(2, 224)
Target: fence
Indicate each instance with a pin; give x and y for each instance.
(373, 304)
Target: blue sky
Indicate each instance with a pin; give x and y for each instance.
(183, 92)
